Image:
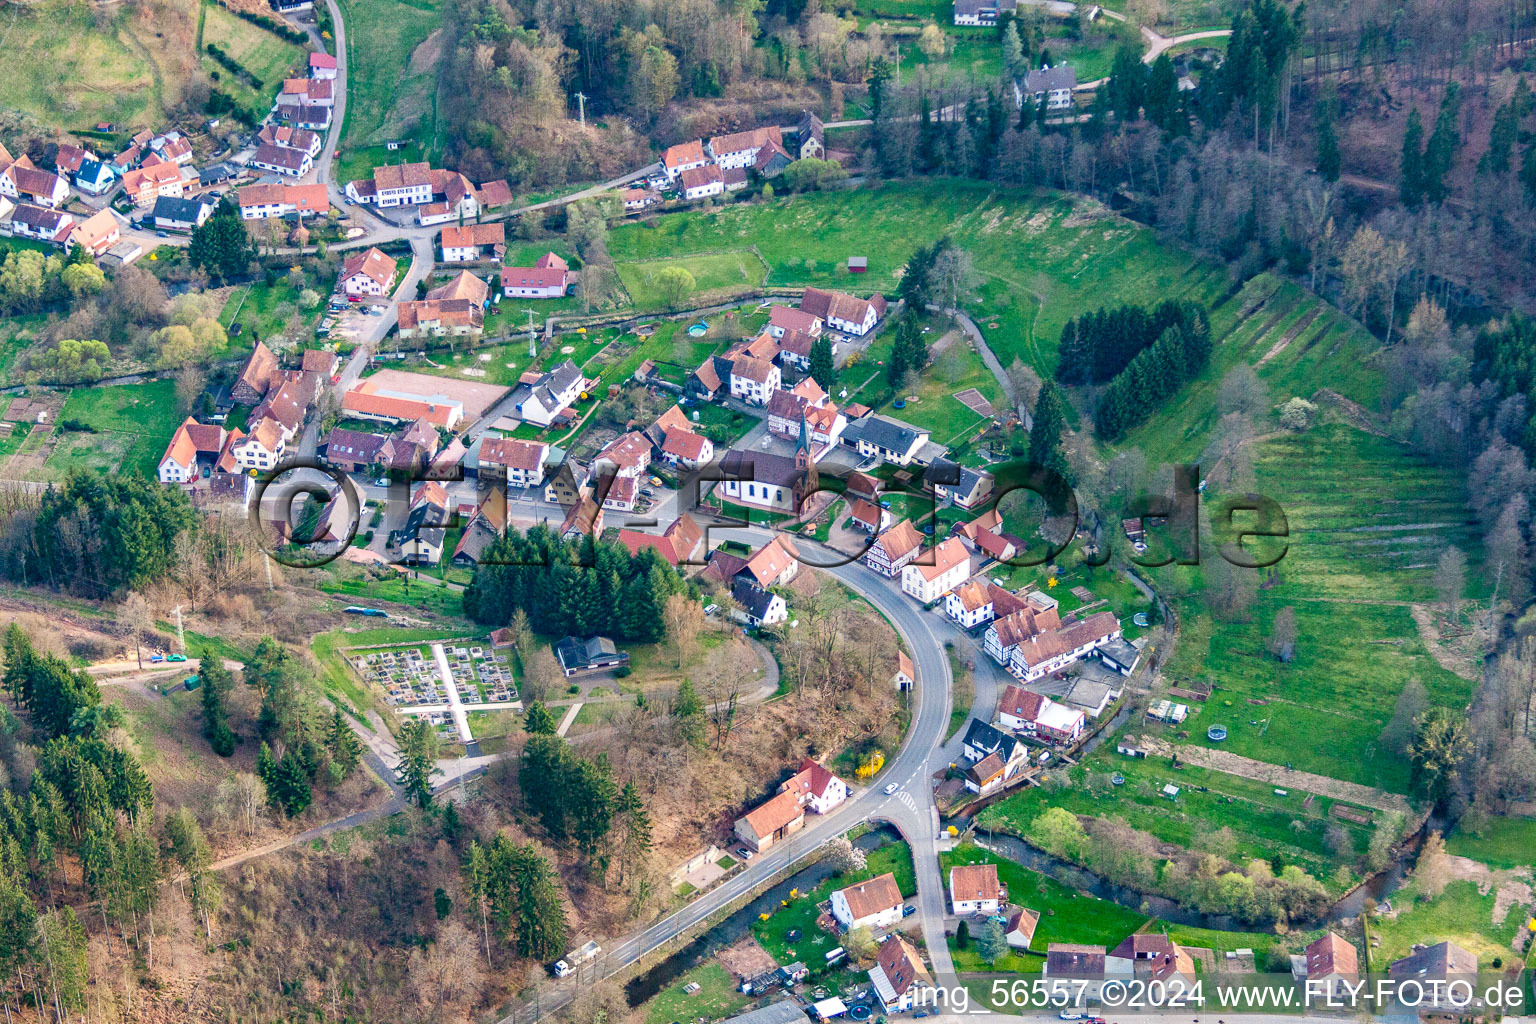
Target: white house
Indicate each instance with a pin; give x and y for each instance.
(889, 440)
(367, 273)
(1051, 86)
(41, 223)
(969, 605)
(687, 449)
(927, 583)
(874, 904)
(548, 278)
(282, 160)
(629, 455)
(540, 401)
(974, 889)
(520, 463)
(192, 445)
(684, 157)
(702, 182)
(322, 66)
(762, 480)
(754, 380)
(900, 979)
(739, 150)
(1035, 715)
(262, 447)
(843, 312)
(759, 607)
(783, 319)
(816, 786)
(894, 548)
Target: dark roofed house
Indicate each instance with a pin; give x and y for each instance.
(1051, 86)
(173, 213)
(1443, 962)
(589, 655)
(810, 136)
(1072, 960)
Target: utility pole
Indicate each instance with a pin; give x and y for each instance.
(181, 637)
(898, 67)
(533, 348)
(581, 99)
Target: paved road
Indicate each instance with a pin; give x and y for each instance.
(910, 809)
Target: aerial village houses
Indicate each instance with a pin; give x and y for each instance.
(874, 904)
(258, 202)
(454, 309)
(816, 787)
(1444, 962)
(1051, 86)
(261, 449)
(894, 548)
(282, 160)
(754, 380)
(757, 607)
(193, 447)
(404, 184)
(322, 65)
(680, 543)
(1327, 966)
(368, 273)
(813, 787)
(869, 517)
(462, 244)
(1034, 642)
(974, 889)
(548, 278)
(810, 137)
(767, 823)
(541, 398)
(293, 138)
(23, 182)
(981, 12)
(41, 223)
(702, 182)
(764, 480)
(146, 184)
(843, 312)
(684, 157)
(889, 440)
(1019, 929)
(900, 979)
(740, 150)
(369, 400)
(97, 233)
(687, 449)
(969, 605)
(949, 567)
(519, 463)
(1032, 714)
(783, 319)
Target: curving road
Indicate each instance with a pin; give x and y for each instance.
(911, 809)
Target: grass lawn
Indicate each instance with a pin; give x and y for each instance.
(424, 594)
(17, 333)
(133, 424)
(962, 693)
(1500, 843)
(391, 84)
(718, 996)
(799, 912)
(1260, 821)
(931, 404)
(266, 310)
(264, 54)
(1065, 914)
(1367, 520)
(66, 71)
(1460, 914)
(718, 277)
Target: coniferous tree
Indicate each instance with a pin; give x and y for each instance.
(343, 749)
(688, 714)
(418, 760)
(1329, 161)
(1045, 430)
(635, 838)
(1498, 157)
(221, 245)
(1162, 95)
(1411, 184)
(822, 369)
(538, 721)
(216, 680)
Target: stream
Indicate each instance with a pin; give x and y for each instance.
(739, 925)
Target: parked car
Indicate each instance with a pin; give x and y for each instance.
(1045, 756)
(175, 657)
(908, 910)
(1069, 1015)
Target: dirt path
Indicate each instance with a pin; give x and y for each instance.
(1260, 771)
(1291, 335)
(1447, 657)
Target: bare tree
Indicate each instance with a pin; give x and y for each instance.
(1451, 581)
(684, 618)
(135, 618)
